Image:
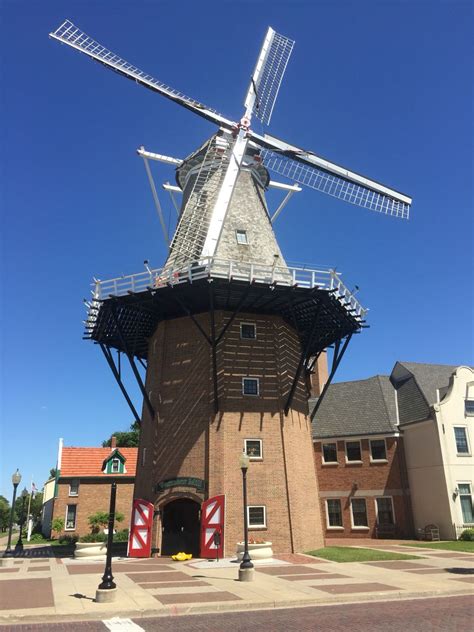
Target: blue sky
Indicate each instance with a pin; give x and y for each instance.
(383, 88)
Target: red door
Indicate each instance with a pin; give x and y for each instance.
(212, 527)
(139, 541)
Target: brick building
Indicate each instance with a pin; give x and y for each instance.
(82, 486)
(360, 463)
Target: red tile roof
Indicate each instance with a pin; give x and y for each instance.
(89, 461)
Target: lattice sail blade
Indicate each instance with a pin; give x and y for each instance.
(268, 75)
(71, 35)
(343, 188)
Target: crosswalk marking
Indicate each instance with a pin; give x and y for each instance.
(118, 624)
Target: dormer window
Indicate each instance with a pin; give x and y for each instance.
(115, 466)
(241, 236)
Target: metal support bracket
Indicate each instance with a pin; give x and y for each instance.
(116, 373)
(133, 366)
(338, 353)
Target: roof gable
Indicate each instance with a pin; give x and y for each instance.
(77, 462)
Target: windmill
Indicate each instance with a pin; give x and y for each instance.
(224, 286)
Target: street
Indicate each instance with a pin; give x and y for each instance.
(447, 614)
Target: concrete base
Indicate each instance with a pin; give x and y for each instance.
(105, 595)
(246, 574)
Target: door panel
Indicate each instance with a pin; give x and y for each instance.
(212, 527)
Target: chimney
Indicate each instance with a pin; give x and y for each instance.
(113, 442)
(320, 375)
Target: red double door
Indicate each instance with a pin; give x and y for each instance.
(212, 528)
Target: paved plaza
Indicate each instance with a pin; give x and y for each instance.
(40, 587)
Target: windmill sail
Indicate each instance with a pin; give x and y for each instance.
(268, 75)
(71, 35)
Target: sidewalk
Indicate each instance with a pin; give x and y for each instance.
(42, 588)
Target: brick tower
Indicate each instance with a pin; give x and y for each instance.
(229, 334)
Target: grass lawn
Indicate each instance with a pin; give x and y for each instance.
(455, 545)
(353, 554)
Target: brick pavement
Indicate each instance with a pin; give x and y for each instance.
(161, 587)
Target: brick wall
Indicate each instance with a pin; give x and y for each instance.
(366, 480)
(94, 495)
(187, 439)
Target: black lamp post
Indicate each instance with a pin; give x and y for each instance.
(108, 579)
(246, 564)
(24, 495)
(16, 480)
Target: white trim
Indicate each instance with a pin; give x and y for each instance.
(247, 377)
(257, 526)
(323, 461)
(71, 495)
(466, 429)
(362, 527)
(66, 528)
(377, 509)
(254, 458)
(360, 437)
(254, 325)
(328, 526)
(459, 504)
(351, 462)
(385, 460)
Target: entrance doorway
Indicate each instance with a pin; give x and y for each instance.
(181, 527)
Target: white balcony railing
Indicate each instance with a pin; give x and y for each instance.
(236, 270)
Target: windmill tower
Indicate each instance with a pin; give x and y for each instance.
(228, 332)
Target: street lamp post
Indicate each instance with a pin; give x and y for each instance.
(16, 480)
(19, 544)
(246, 566)
(106, 590)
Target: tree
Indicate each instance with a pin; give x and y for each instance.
(35, 507)
(126, 439)
(4, 513)
(101, 519)
(57, 525)
(52, 472)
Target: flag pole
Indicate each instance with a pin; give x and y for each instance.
(29, 523)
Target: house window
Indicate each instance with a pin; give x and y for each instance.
(115, 466)
(460, 434)
(378, 450)
(248, 331)
(329, 452)
(384, 508)
(74, 487)
(465, 497)
(353, 452)
(71, 511)
(334, 512)
(250, 386)
(253, 448)
(359, 512)
(257, 516)
(241, 236)
(469, 407)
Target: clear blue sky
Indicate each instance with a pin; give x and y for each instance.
(381, 87)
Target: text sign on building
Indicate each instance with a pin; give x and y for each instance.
(182, 481)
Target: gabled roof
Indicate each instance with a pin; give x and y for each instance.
(429, 377)
(361, 407)
(89, 461)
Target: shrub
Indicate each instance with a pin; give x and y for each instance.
(37, 538)
(93, 537)
(68, 539)
(467, 535)
(101, 519)
(57, 525)
(121, 536)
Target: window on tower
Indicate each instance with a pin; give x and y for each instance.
(250, 386)
(241, 236)
(253, 449)
(248, 331)
(257, 516)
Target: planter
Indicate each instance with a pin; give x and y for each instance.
(262, 551)
(96, 550)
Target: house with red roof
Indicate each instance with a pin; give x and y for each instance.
(83, 482)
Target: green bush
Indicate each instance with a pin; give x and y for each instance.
(121, 536)
(57, 525)
(68, 539)
(101, 519)
(37, 538)
(93, 537)
(467, 535)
